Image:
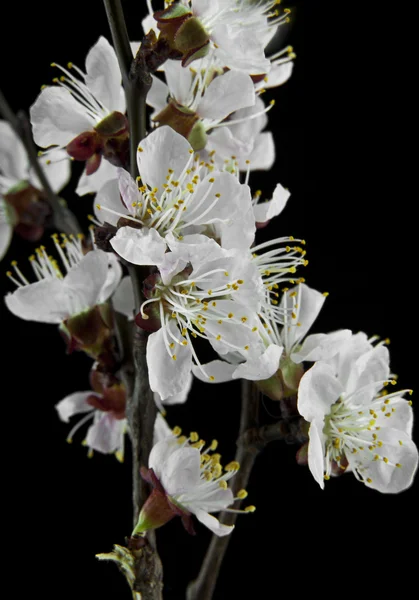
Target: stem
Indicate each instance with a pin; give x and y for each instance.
(136, 82)
(203, 587)
(141, 408)
(64, 219)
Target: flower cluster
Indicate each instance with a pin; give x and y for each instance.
(181, 217)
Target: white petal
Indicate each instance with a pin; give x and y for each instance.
(267, 210)
(316, 452)
(262, 155)
(261, 367)
(171, 265)
(163, 149)
(6, 232)
(213, 523)
(123, 299)
(167, 376)
(321, 346)
(203, 8)
(239, 232)
(386, 476)
(226, 94)
(278, 75)
(179, 80)
(182, 396)
(161, 429)
(13, 159)
(160, 453)
(139, 246)
(225, 208)
(108, 197)
(45, 301)
(57, 118)
(157, 96)
(147, 23)
(105, 434)
(219, 369)
(401, 419)
(128, 189)
(113, 278)
(181, 471)
(373, 366)
(90, 184)
(56, 166)
(74, 404)
(309, 302)
(103, 77)
(318, 390)
(85, 281)
(239, 50)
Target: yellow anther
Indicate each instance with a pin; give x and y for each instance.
(119, 456)
(172, 345)
(369, 480)
(325, 294)
(385, 459)
(246, 347)
(232, 466)
(250, 508)
(174, 357)
(211, 378)
(194, 436)
(140, 149)
(182, 439)
(242, 494)
(226, 273)
(230, 315)
(398, 465)
(176, 430)
(223, 484)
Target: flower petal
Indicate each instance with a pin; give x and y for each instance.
(56, 166)
(161, 429)
(108, 197)
(167, 376)
(220, 370)
(84, 283)
(13, 159)
(123, 299)
(103, 77)
(105, 434)
(139, 246)
(316, 452)
(309, 302)
(182, 471)
(267, 210)
(74, 404)
(179, 81)
(261, 367)
(112, 279)
(226, 94)
(385, 475)
(278, 75)
(6, 232)
(321, 346)
(182, 396)
(318, 390)
(90, 184)
(162, 150)
(57, 118)
(213, 523)
(44, 301)
(158, 93)
(160, 453)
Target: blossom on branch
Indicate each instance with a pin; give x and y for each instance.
(356, 424)
(23, 204)
(84, 114)
(187, 479)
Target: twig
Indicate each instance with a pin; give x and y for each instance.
(203, 587)
(141, 408)
(64, 219)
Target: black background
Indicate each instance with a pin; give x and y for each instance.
(343, 129)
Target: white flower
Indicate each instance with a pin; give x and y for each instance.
(242, 138)
(237, 31)
(196, 102)
(215, 297)
(78, 104)
(16, 174)
(355, 422)
(178, 193)
(84, 281)
(193, 482)
(107, 410)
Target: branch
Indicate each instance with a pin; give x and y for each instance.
(141, 408)
(203, 587)
(64, 219)
(290, 432)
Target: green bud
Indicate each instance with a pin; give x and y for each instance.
(190, 35)
(198, 136)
